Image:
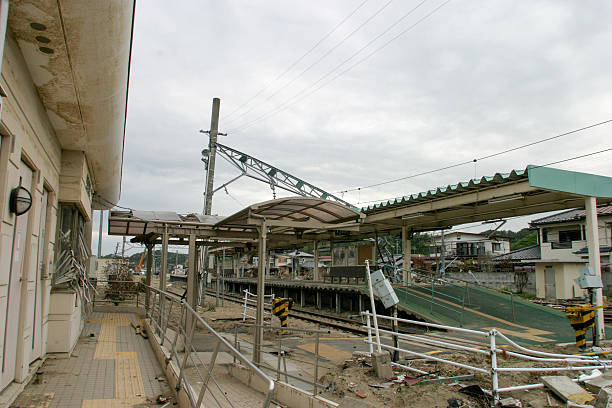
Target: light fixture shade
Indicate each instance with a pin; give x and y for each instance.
(20, 200)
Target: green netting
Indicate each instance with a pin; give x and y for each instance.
(479, 308)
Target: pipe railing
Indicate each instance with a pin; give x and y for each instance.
(282, 356)
(176, 323)
(251, 304)
(550, 362)
(177, 331)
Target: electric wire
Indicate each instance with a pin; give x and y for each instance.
(301, 96)
(327, 53)
(281, 75)
(533, 167)
(488, 156)
(97, 196)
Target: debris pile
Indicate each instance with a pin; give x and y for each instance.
(454, 387)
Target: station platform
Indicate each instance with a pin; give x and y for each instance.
(110, 367)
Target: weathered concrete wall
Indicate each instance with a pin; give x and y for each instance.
(27, 140)
(75, 181)
(497, 280)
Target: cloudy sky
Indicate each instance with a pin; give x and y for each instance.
(351, 93)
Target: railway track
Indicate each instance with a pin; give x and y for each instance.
(336, 322)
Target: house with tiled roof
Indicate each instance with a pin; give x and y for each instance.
(563, 251)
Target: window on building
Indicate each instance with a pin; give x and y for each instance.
(496, 247)
(72, 250)
(544, 235)
(570, 235)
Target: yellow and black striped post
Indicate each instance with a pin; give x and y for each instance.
(581, 317)
(280, 308)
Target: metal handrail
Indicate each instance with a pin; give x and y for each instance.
(189, 314)
(562, 362)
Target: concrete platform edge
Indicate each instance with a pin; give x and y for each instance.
(170, 370)
(285, 394)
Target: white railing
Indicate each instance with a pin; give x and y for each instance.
(554, 362)
(250, 303)
(197, 377)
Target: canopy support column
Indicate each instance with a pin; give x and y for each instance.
(261, 281)
(192, 286)
(315, 273)
(163, 274)
(407, 249)
(592, 232)
(148, 277)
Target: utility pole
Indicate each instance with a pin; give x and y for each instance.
(212, 152)
(208, 192)
(123, 248)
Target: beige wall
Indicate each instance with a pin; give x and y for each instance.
(27, 137)
(29, 140)
(565, 273)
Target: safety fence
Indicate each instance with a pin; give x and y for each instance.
(449, 298)
(492, 339)
(250, 303)
(177, 324)
(293, 357)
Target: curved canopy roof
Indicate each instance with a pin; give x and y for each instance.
(304, 212)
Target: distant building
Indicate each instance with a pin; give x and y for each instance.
(460, 244)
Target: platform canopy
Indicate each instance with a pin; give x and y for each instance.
(296, 220)
(289, 221)
(534, 190)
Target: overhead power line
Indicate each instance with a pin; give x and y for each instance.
(534, 167)
(304, 92)
(282, 74)
(327, 53)
(488, 156)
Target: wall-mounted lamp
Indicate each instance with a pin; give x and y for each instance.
(20, 201)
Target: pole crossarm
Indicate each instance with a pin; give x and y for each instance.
(266, 173)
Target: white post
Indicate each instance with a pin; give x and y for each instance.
(371, 346)
(373, 304)
(592, 233)
(494, 377)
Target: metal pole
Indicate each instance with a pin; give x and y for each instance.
(212, 151)
(163, 272)
(100, 233)
(148, 277)
(316, 367)
(123, 248)
(217, 281)
(370, 345)
(192, 288)
(494, 377)
(442, 265)
(261, 281)
(395, 325)
(315, 273)
(592, 232)
(373, 305)
(223, 280)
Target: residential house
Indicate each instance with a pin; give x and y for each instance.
(563, 249)
(459, 244)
